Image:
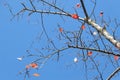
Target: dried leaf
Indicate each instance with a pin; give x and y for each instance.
(36, 74)
(34, 65)
(83, 27)
(89, 53)
(78, 5)
(116, 57)
(61, 29)
(75, 16)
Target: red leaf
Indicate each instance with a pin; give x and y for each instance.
(89, 53)
(78, 5)
(75, 16)
(83, 27)
(61, 29)
(34, 65)
(116, 57)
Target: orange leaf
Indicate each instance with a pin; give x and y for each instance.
(89, 53)
(36, 74)
(78, 5)
(34, 65)
(116, 57)
(61, 29)
(101, 13)
(75, 16)
(83, 27)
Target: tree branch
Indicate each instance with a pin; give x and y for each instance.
(93, 49)
(116, 71)
(85, 12)
(109, 37)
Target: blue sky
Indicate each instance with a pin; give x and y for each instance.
(16, 37)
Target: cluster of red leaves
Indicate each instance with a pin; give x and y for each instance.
(32, 65)
(75, 16)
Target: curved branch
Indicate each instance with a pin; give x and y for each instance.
(116, 71)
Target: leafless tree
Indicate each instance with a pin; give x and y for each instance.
(92, 38)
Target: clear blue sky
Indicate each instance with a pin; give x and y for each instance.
(17, 35)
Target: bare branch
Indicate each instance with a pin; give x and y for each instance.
(104, 33)
(84, 9)
(94, 49)
(115, 72)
